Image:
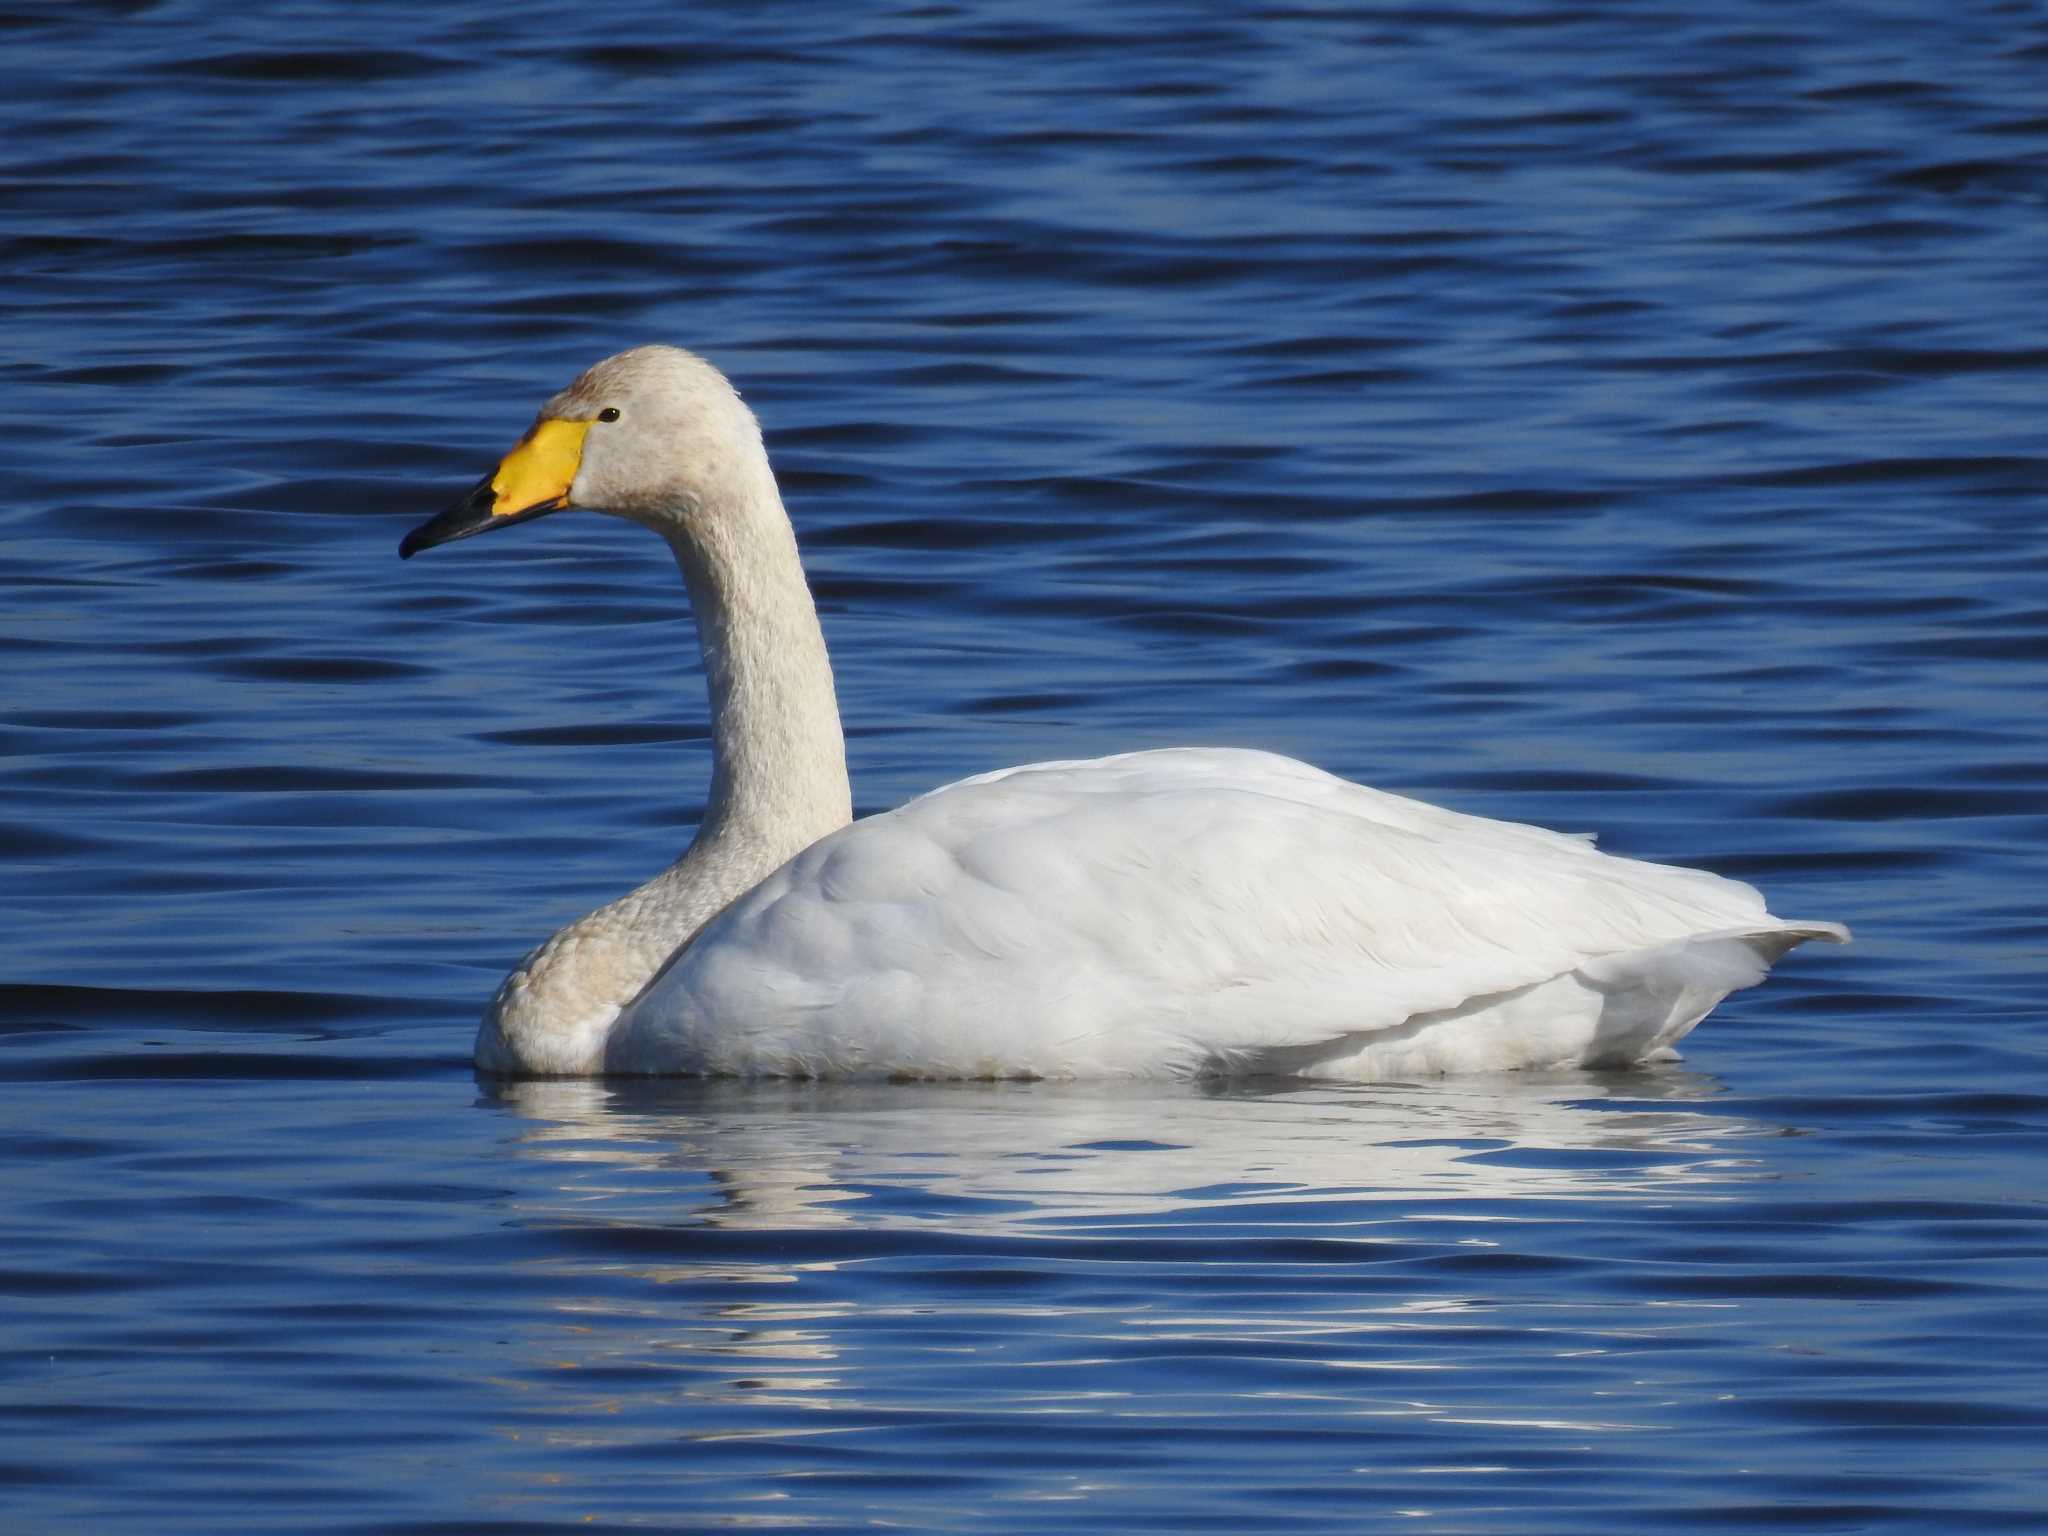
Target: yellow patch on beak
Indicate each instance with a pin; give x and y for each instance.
(539, 472)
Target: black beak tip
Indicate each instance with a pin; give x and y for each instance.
(426, 536)
(472, 514)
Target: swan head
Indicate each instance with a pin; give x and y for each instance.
(654, 434)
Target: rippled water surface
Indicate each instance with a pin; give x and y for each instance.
(1625, 417)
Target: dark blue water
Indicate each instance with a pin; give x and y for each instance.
(1624, 417)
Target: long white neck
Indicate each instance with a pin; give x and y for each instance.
(778, 780)
(778, 776)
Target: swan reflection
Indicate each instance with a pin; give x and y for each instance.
(1026, 1158)
(784, 1261)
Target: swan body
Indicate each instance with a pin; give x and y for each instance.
(1181, 912)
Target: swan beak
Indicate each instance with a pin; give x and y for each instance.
(531, 481)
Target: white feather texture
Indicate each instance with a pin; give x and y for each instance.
(1196, 911)
(1181, 912)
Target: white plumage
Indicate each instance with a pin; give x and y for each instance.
(1194, 911)
(1179, 912)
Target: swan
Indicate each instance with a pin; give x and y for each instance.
(1182, 912)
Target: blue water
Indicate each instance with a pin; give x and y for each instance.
(1622, 417)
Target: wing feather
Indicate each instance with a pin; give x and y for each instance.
(1148, 912)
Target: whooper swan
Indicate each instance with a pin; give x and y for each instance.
(1180, 912)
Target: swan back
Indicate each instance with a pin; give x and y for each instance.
(1185, 911)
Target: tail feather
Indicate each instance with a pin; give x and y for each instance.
(1773, 942)
(1653, 997)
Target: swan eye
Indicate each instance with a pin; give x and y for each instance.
(609, 413)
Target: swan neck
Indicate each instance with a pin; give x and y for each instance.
(778, 780)
(779, 758)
